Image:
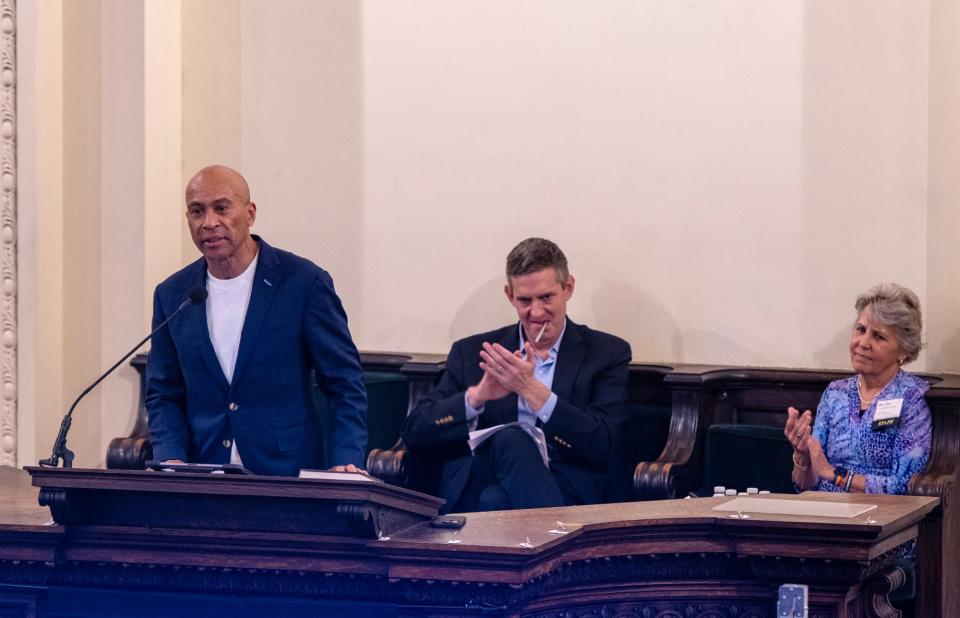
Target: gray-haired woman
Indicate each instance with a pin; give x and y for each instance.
(872, 431)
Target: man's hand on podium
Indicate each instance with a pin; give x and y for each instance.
(349, 468)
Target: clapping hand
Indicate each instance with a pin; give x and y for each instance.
(510, 369)
(514, 372)
(488, 389)
(797, 430)
(818, 460)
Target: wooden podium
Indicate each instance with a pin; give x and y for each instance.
(229, 502)
(129, 543)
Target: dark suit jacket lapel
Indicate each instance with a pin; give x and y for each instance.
(505, 410)
(569, 361)
(265, 283)
(198, 321)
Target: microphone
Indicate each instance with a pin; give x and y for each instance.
(196, 296)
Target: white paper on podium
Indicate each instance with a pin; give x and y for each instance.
(480, 436)
(796, 508)
(329, 475)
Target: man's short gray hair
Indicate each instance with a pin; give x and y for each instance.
(899, 308)
(535, 254)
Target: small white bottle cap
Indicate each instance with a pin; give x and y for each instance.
(731, 492)
(742, 493)
(719, 489)
(764, 491)
(752, 490)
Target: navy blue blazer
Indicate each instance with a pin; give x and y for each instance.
(295, 322)
(591, 386)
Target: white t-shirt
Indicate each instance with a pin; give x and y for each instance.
(226, 310)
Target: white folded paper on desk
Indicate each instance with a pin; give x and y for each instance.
(330, 475)
(797, 508)
(480, 436)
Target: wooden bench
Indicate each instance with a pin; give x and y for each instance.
(641, 434)
(385, 417)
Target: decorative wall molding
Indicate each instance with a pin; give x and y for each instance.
(8, 232)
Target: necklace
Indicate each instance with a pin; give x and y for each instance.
(863, 399)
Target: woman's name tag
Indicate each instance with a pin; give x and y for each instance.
(887, 413)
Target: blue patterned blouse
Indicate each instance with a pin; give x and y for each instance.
(888, 458)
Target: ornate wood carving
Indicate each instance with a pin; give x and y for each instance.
(665, 609)
(878, 592)
(646, 559)
(13, 605)
(942, 529)
(679, 464)
(656, 585)
(8, 233)
(56, 499)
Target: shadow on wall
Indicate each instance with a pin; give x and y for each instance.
(485, 309)
(633, 314)
(943, 355)
(836, 354)
(712, 347)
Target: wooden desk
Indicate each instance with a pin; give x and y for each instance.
(670, 555)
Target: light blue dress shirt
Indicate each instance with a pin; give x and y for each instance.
(543, 371)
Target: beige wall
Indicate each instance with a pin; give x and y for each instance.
(943, 188)
(723, 176)
(99, 170)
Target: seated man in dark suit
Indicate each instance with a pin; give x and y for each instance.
(546, 372)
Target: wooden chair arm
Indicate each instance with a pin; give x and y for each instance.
(678, 467)
(388, 464)
(129, 453)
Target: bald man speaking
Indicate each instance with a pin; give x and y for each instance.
(229, 381)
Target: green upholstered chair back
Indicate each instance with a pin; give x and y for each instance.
(741, 456)
(387, 394)
(641, 437)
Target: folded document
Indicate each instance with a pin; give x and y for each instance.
(480, 436)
